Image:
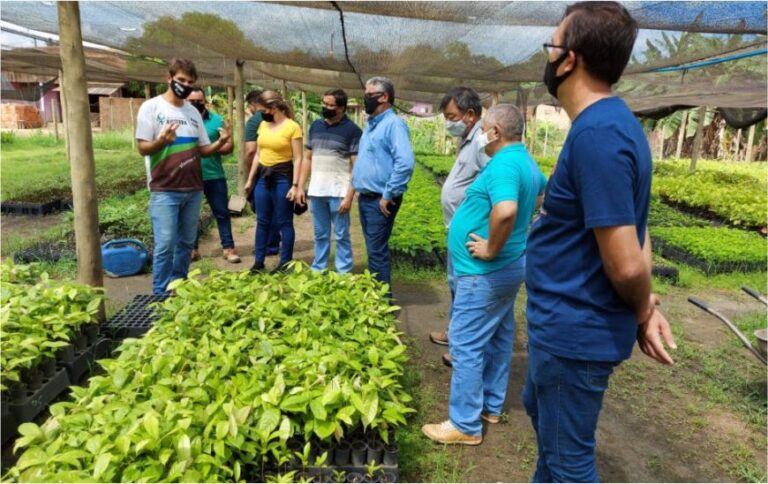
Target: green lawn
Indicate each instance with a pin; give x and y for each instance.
(35, 168)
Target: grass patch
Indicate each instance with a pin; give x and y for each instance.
(35, 168)
(404, 272)
(421, 460)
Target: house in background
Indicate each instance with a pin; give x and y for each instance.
(28, 101)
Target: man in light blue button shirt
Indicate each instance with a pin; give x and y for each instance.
(381, 174)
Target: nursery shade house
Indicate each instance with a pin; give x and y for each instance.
(687, 53)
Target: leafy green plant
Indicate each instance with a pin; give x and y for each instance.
(39, 315)
(714, 249)
(419, 226)
(222, 381)
(735, 194)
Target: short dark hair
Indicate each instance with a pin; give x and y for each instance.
(339, 96)
(197, 89)
(184, 65)
(603, 34)
(465, 98)
(253, 96)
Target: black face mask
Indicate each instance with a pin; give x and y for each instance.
(371, 103)
(329, 113)
(551, 80)
(180, 90)
(200, 106)
(268, 117)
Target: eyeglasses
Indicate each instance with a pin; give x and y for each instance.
(371, 95)
(550, 48)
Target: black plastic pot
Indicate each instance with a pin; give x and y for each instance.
(391, 454)
(355, 476)
(359, 452)
(81, 341)
(48, 367)
(92, 332)
(33, 377)
(65, 354)
(325, 446)
(303, 476)
(375, 451)
(341, 453)
(388, 477)
(17, 392)
(371, 478)
(295, 446)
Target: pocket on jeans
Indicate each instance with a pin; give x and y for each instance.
(595, 375)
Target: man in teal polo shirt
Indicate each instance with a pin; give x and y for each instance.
(486, 241)
(214, 178)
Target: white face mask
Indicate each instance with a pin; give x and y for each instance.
(455, 128)
(482, 141)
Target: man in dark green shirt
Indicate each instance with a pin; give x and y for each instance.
(251, 138)
(214, 179)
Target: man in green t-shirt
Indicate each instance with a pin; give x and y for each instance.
(251, 138)
(214, 178)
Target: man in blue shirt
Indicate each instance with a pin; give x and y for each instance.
(381, 174)
(588, 273)
(486, 243)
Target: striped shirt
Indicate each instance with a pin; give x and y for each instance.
(332, 147)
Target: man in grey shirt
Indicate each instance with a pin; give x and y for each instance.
(462, 110)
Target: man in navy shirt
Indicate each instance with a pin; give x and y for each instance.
(588, 273)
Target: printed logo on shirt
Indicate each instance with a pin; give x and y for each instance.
(162, 120)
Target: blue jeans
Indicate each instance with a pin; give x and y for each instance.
(480, 338)
(218, 199)
(451, 282)
(376, 229)
(563, 397)
(271, 204)
(175, 217)
(325, 212)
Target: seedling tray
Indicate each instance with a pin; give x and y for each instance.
(45, 252)
(134, 319)
(84, 360)
(38, 400)
(709, 268)
(27, 208)
(328, 473)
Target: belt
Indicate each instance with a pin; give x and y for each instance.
(370, 195)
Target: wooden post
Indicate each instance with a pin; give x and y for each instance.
(495, 99)
(661, 143)
(133, 125)
(750, 141)
(546, 136)
(55, 109)
(230, 100)
(736, 146)
(697, 139)
(681, 136)
(285, 90)
(147, 90)
(83, 167)
(532, 132)
(304, 114)
(64, 121)
(242, 164)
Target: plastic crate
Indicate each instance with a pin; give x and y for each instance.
(134, 319)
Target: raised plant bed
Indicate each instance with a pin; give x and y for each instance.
(33, 208)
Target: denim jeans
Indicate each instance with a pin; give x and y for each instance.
(451, 282)
(480, 338)
(325, 213)
(175, 218)
(218, 199)
(273, 208)
(376, 229)
(563, 397)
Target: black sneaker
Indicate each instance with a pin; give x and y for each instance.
(257, 268)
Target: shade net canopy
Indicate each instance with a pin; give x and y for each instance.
(686, 54)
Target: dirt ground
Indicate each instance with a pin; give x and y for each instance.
(653, 428)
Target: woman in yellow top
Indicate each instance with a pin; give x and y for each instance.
(274, 176)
